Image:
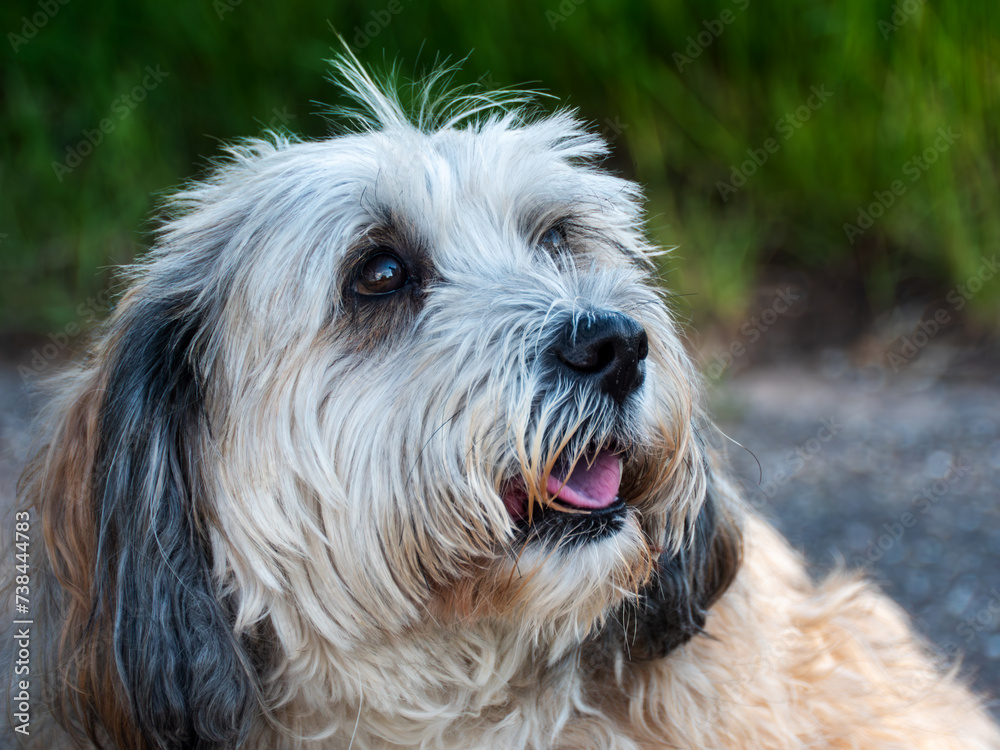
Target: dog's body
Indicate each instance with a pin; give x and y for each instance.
(392, 443)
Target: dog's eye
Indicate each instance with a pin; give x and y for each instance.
(554, 239)
(382, 273)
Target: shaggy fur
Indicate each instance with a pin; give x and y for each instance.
(277, 507)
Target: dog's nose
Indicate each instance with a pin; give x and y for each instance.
(608, 348)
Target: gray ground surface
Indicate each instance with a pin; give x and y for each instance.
(908, 487)
(899, 473)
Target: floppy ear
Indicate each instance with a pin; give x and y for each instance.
(181, 678)
(673, 606)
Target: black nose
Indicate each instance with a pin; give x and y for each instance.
(607, 348)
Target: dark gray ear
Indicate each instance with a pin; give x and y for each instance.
(189, 681)
(673, 606)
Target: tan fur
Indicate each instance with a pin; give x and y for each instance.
(789, 664)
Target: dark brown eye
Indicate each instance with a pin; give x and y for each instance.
(382, 273)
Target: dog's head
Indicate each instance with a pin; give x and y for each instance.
(419, 373)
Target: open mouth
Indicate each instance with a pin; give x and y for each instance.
(590, 487)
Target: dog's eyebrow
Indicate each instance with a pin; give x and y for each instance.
(631, 254)
(536, 223)
(387, 229)
(370, 237)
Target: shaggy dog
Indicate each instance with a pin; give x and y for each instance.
(392, 442)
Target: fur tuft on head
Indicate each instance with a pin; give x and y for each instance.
(434, 103)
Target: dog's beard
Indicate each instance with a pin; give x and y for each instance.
(558, 566)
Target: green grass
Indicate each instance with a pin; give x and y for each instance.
(678, 131)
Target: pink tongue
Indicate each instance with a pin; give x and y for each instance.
(593, 486)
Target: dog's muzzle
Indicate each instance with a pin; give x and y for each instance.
(604, 351)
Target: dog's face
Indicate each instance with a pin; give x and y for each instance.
(422, 334)
(397, 377)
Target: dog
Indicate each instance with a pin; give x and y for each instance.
(392, 441)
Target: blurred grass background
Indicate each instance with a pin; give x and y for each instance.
(682, 89)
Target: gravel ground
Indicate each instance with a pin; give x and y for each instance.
(896, 473)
